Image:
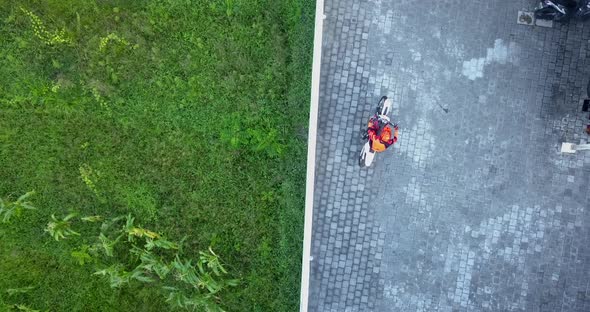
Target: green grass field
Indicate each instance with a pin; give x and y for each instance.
(189, 115)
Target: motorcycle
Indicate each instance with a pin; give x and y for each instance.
(367, 154)
(562, 10)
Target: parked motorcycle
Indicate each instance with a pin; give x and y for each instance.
(367, 154)
(562, 10)
(583, 10)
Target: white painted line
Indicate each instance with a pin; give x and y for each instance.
(569, 148)
(572, 148)
(311, 152)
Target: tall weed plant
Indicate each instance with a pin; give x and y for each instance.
(125, 253)
(10, 209)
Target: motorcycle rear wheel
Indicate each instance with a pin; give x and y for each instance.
(362, 158)
(550, 14)
(381, 103)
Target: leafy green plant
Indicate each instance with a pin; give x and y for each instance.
(117, 275)
(152, 263)
(87, 170)
(90, 177)
(229, 7)
(185, 271)
(107, 245)
(203, 280)
(55, 38)
(178, 299)
(265, 141)
(212, 261)
(61, 229)
(112, 37)
(18, 307)
(9, 209)
(81, 255)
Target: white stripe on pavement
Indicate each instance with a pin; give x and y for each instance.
(311, 151)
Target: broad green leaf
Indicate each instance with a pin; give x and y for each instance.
(70, 216)
(22, 307)
(21, 290)
(160, 243)
(25, 196)
(139, 232)
(92, 219)
(177, 299)
(140, 276)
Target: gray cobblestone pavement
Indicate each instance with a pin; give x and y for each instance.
(474, 209)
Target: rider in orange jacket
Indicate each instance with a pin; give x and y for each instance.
(380, 134)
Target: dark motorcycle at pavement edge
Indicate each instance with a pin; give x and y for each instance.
(563, 10)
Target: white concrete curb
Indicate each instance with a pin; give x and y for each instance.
(311, 151)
